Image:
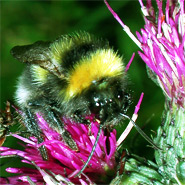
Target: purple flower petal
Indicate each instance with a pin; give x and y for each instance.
(63, 160)
(166, 55)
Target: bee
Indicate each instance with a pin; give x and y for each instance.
(73, 76)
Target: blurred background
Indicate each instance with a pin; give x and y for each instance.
(24, 22)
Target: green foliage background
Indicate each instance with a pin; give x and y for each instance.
(24, 22)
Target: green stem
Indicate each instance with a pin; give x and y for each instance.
(171, 138)
(137, 170)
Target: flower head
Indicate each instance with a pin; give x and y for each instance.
(63, 161)
(163, 45)
(162, 42)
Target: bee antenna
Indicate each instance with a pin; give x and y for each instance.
(92, 151)
(141, 132)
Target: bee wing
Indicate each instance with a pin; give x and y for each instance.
(37, 53)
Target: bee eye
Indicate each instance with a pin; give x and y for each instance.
(119, 95)
(95, 105)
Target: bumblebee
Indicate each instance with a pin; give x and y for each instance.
(73, 76)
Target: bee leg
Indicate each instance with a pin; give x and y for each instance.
(57, 124)
(53, 119)
(33, 127)
(92, 151)
(68, 140)
(141, 132)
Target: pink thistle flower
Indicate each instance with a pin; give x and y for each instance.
(163, 45)
(162, 42)
(64, 162)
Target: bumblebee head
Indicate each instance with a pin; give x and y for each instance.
(107, 98)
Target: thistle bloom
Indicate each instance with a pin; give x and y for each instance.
(64, 162)
(162, 42)
(163, 46)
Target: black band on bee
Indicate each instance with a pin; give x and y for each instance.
(78, 52)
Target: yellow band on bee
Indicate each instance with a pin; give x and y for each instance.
(102, 63)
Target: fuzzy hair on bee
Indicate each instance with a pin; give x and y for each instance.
(73, 76)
